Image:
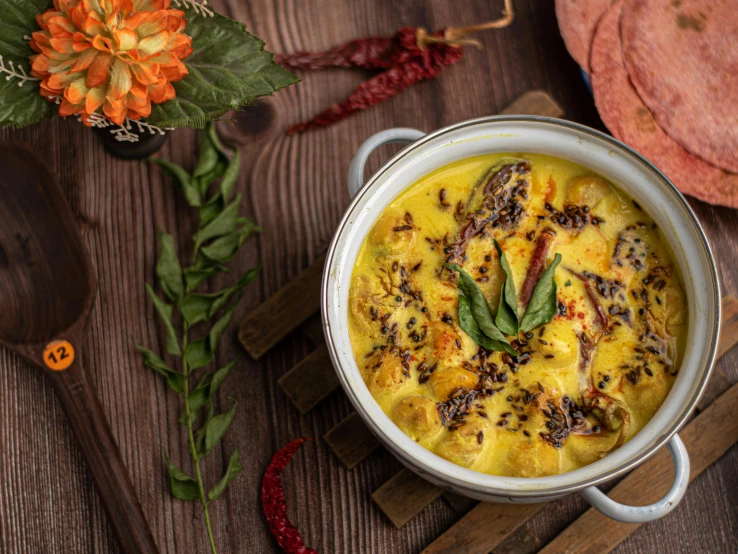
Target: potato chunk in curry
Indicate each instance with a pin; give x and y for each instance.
(570, 390)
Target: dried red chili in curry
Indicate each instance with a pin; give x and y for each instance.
(273, 503)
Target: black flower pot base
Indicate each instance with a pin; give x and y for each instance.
(131, 141)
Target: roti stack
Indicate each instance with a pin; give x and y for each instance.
(665, 80)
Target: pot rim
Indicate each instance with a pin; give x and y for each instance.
(420, 465)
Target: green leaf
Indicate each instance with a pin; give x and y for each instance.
(198, 353)
(479, 307)
(200, 307)
(223, 249)
(153, 361)
(168, 269)
(507, 311)
(230, 176)
(222, 224)
(218, 426)
(183, 486)
(471, 297)
(201, 432)
(165, 313)
(182, 178)
(198, 398)
(20, 105)
(220, 376)
(470, 327)
(209, 156)
(232, 471)
(196, 274)
(228, 68)
(542, 305)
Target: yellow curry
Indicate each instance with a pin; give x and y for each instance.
(567, 392)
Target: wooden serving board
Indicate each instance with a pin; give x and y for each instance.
(484, 527)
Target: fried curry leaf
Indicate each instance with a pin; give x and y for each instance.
(471, 297)
(507, 311)
(542, 305)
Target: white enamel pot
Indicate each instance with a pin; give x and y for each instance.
(614, 161)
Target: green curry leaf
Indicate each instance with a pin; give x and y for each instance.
(542, 305)
(507, 311)
(470, 295)
(232, 471)
(183, 486)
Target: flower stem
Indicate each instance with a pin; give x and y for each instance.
(191, 439)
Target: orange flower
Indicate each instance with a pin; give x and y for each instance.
(118, 55)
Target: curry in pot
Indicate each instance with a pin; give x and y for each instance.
(517, 314)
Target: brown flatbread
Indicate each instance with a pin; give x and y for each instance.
(577, 21)
(682, 57)
(630, 121)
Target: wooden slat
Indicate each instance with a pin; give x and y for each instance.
(284, 312)
(405, 496)
(707, 438)
(313, 328)
(311, 380)
(520, 541)
(461, 504)
(535, 102)
(483, 528)
(351, 441)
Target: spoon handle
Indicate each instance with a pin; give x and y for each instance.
(103, 458)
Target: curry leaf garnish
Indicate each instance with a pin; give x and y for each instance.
(542, 305)
(220, 234)
(474, 308)
(507, 312)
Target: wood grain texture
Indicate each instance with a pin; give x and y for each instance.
(310, 381)
(284, 312)
(295, 188)
(405, 496)
(351, 441)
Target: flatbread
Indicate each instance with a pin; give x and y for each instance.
(577, 21)
(629, 120)
(682, 57)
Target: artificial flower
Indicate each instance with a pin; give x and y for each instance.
(114, 55)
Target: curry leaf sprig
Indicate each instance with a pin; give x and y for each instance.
(490, 331)
(220, 234)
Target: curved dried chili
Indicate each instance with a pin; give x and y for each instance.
(273, 502)
(410, 56)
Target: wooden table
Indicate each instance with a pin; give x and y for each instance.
(296, 189)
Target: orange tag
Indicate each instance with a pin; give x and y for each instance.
(58, 355)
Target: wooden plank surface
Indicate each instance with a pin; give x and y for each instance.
(311, 380)
(351, 441)
(405, 496)
(284, 312)
(295, 188)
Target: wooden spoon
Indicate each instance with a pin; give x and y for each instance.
(47, 287)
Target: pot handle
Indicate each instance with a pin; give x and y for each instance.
(642, 514)
(356, 169)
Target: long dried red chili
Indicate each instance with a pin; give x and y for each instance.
(367, 53)
(416, 65)
(409, 57)
(273, 503)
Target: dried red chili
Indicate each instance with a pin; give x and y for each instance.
(421, 65)
(409, 57)
(367, 53)
(273, 503)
